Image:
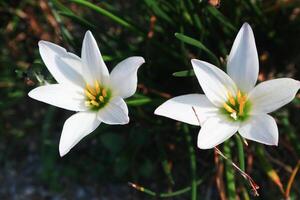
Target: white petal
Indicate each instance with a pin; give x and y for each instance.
(260, 128)
(273, 94)
(65, 67)
(59, 96)
(242, 65)
(75, 128)
(94, 66)
(115, 112)
(124, 76)
(215, 131)
(181, 108)
(215, 83)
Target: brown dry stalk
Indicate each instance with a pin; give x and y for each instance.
(219, 175)
(251, 182)
(291, 180)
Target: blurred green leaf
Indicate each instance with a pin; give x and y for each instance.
(107, 14)
(184, 73)
(198, 44)
(138, 101)
(220, 17)
(78, 19)
(112, 141)
(154, 5)
(267, 167)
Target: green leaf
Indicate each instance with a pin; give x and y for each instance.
(184, 73)
(138, 101)
(229, 173)
(198, 44)
(220, 17)
(107, 14)
(267, 167)
(78, 19)
(158, 11)
(112, 141)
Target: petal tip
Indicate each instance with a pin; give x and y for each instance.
(42, 42)
(62, 153)
(194, 60)
(88, 34)
(202, 145)
(246, 24)
(157, 111)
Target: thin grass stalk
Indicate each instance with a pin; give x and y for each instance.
(192, 162)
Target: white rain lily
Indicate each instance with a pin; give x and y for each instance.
(84, 85)
(232, 103)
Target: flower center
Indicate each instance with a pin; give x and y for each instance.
(96, 96)
(236, 108)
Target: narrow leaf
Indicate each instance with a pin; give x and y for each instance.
(198, 44)
(184, 73)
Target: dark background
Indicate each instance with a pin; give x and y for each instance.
(151, 151)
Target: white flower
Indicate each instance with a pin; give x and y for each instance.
(84, 85)
(232, 103)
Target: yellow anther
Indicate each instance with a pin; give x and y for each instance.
(239, 96)
(87, 103)
(231, 99)
(94, 103)
(228, 108)
(104, 93)
(89, 95)
(91, 90)
(97, 87)
(241, 107)
(101, 99)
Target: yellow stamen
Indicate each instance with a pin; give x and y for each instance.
(91, 90)
(231, 99)
(228, 108)
(94, 103)
(101, 98)
(239, 96)
(97, 87)
(104, 93)
(241, 107)
(89, 95)
(87, 103)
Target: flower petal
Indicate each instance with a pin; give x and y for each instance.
(124, 76)
(243, 65)
(94, 66)
(181, 108)
(65, 67)
(75, 128)
(215, 131)
(215, 83)
(59, 96)
(260, 128)
(115, 112)
(273, 94)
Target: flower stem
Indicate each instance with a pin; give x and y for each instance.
(229, 173)
(192, 162)
(168, 194)
(240, 151)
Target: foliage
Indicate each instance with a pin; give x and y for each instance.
(153, 151)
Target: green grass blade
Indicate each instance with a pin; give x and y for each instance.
(78, 19)
(229, 172)
(220, 17)
(198, 44)
(184, 73)
(138, 100)
(107, 14)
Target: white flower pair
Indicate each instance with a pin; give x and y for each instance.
(231, 104)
